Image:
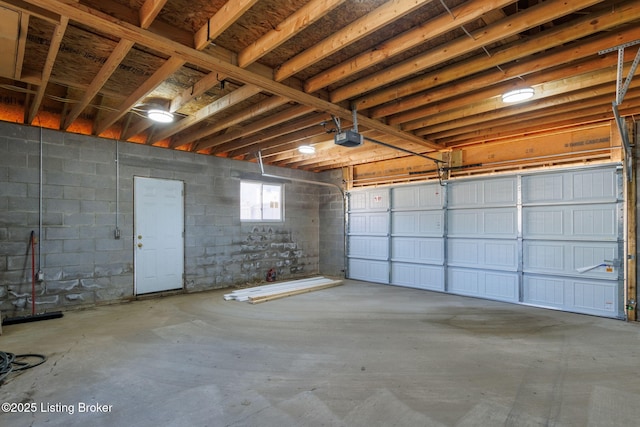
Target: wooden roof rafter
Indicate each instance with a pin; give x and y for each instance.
(289, 120)
(262, 107)
(438, 26)
(230, 98)
(221, 20)
(409, 108)
(559, 35)
(54, 47)
(247, 56)
(376, 19)
(481, 38)
(594, 73)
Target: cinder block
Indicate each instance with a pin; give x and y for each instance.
(13, 189)
(79, 193)
(53, 233)
(68, 259)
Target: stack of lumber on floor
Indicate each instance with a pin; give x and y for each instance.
(260, 294)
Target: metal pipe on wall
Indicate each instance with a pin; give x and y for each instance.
(116, 232)
(40, 208)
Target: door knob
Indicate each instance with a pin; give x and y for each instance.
(139, 245)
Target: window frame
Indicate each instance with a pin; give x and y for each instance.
(261, 203)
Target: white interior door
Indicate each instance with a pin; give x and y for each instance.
(158, 234)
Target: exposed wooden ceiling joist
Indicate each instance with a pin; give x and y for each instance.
(242, 76)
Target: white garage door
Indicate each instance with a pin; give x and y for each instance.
(482, 238)
(368, 235)
(417, 237)
(572, 241)
(551, 239)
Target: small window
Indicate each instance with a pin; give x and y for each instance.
(260, 202)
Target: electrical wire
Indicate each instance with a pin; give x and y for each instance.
(10, 362)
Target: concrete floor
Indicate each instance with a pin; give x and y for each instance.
(355, 355)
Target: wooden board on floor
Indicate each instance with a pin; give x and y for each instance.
(281, 289)
(259, 299)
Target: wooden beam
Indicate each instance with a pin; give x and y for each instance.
(374, 20)
(572, 114)
(115, 58)
(494, 109)
(22, 45)
(549, 39)
(307, 13)
(335, 156)
(169, 67)
(406, 109)
(152, 9)
(220, 104)
(277, 124)
(198, 88)
(512, 25)
(288, 142)
(438, 26)
(631, 198)
(512, 153)
(149, 11)
(537, 148)
(223, 19)
(29, 9)
(111, 25)
(292, 25)
(9, 34)
(54, 47)
(255, 110)
(444, 113)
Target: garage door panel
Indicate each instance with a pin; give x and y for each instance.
(369, 200)
(500, 223)
(417, 223)
(463, 281)
(483, 193)
(369, 247)
(483, 254)
(369, 270)
(572, 258)
(418, 197)
(501, 286)
(418, 276)
(594, 296)
(572, 294)
(483, 283)
(544, 291)
(592, 222)
(418, 250)
(544, 257)
(598, 222)
(376, 223)
(595, 185)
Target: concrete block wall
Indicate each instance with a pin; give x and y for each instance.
(84, 199)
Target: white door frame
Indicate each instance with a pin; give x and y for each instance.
(158, 240)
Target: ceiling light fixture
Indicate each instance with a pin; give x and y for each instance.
(518, 95)
(306, 149)
(159, 115)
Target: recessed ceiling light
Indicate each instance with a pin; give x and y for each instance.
(518, 95)
(306, 149)
(160, 116)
